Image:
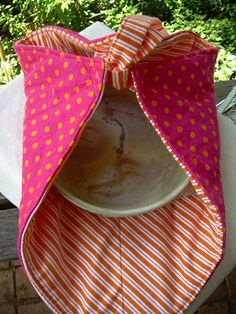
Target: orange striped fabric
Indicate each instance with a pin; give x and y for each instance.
(154, 263)
(79, 262)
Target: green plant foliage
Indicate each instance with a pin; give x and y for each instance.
(214, 20)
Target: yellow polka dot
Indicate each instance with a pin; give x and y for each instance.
(200, 83)
(207, 167)
(32, 111)
(76, 89)
(42, 96)
(34, 133)
(37, 158)
(167, 96)
(165, 86)
(31, 100)
(207, 182)
(45, 117)
(34, 51)
(194, 161)
(42, 86)
(32, 91)
(66, 64)
(78, 58)
(35, 145)
(180, 103)
(192, 121)
(183, 68)
(68, 107)
(188, 89)
(154, 103)
(170, 73)
(29, 58)
(166, 123)
(39, 185)
(31, 190)
(216, 187)
(29, 82)
(212, 121)
(60, 138)
(60, 149)
(90, 93)
(66, 95)
(50, 61)
(59, 125)
(180, 143)
(156, 78)
(71, 131)
(179, 116)
(92, 106)
(215, 145)
(88, 82)
(167, 110)
(57, 112)
(62, 54)
(180, 129)
(193, 148)
(60, 84)
(42, 68)
(82, 112)
(97, 74)
(102, 65)
(53, 90)
(39, 172)
(203, 126)
(79, 100)
(49, 79)
(100, 85)
(205, 153)
(36, 76)
(179, 81)
(47, 129)
(214, 133)
(209, 110)
(192, 76)
(48, 166)
(202, 114)
(55, 101)
(29, 202)
(24, 150)
(72, 119)
(70, 77)
(47, 51)
(56, 72)
(205, 139)
(26, 65)
(48, 154)
(23, 182)
(192, 134)
(196, 63)
(44, 106)
(34, 121)
(83, 70)
(154, 91)
(48, 141)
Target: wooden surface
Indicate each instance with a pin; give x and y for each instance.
(9, 215)
(8, 234)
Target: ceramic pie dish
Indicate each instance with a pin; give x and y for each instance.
(120, 167)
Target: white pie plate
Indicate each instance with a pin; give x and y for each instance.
(120, 167)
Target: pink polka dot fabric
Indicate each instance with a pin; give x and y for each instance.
(178, 97)
(62, 92)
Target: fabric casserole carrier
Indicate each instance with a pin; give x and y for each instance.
(157, 262)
